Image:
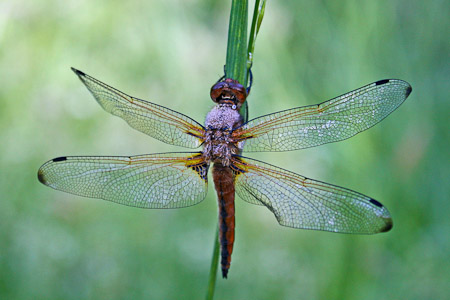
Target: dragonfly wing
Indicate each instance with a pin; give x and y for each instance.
(301, 202)
(168, 180)
(154, 120)
(331, 121)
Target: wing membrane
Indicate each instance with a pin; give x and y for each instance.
(301, 202)
(331, 121)
(168, 180)
(154, 120)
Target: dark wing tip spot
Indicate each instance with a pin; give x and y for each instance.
(78, 72)
(62, 158)
(375, 202)
(388, 226)
(408, 91)
(383, 81)
(41, 177)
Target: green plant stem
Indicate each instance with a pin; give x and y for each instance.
(213, 268)
(235, 68)
(258, 15)
(237, 41)
(236, 63)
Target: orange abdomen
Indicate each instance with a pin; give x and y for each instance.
(224, 185)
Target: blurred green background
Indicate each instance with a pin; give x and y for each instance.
(59, 246)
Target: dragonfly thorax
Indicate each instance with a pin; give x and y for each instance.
(219, 145)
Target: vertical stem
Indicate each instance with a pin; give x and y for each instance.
(236, 63)
(258, 15)
(213, 269)
(236, 68)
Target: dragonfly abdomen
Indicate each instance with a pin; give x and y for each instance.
(224, 185)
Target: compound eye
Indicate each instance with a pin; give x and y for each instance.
(241, 95)
(228, 90)
(216, 91)
(239, 91)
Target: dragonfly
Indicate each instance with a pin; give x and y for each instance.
(180, 179)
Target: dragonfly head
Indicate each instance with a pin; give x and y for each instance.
(229, 91)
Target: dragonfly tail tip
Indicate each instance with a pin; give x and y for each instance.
(225, 273)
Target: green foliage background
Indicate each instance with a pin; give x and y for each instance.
(59, 246)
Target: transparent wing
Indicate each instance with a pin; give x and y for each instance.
(301, 202)
(154, 120)
(168, 180)
(331, 121)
